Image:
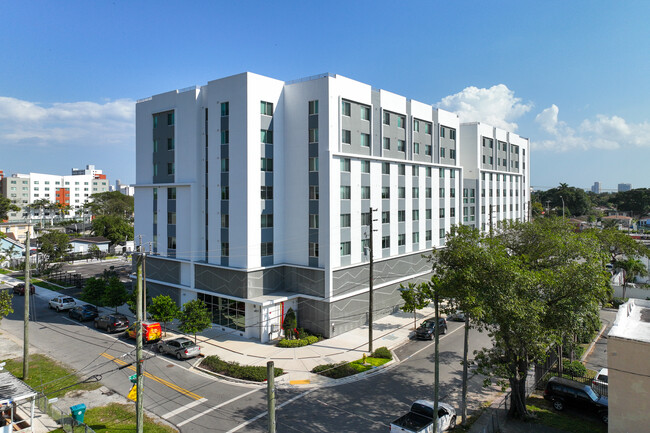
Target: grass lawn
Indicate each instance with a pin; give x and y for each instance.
(118, 418)
(44, 284)
(337, 371)
(566, 421)
(48, 376)
(4, 271)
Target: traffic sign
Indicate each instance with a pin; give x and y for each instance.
(134, 378)
(133, 394)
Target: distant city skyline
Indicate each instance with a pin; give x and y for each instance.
(68, 91)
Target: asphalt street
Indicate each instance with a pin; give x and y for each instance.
(196, 402)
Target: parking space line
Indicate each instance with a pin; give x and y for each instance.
(155, 378)
(184, 408)
(198, 415)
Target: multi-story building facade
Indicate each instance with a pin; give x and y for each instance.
(622, 187)
(596, 188)
(257, 196)
(71, 191)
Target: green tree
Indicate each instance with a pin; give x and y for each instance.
(94, 251)
(195, 317)
(112, 203)
(632, 268)
(537, 209)
(113, 227)
(290, 323)
(616, 243)
(53, 246)
(576, 201)
(164, 309)
(115, 294)
(93, 291)
(5, 304)
(416, 297)
(6, 206)
(635, 201)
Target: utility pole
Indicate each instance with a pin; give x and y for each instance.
(138, 343)
(270, 394)
(28, 286)
(436, 380)
(370, 278)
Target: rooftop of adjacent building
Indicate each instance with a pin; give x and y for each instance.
(632, 321)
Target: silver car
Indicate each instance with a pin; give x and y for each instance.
(61, 303)
(182, 348)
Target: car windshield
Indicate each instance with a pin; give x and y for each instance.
(591, 393)
(187, 343)
(68, 300)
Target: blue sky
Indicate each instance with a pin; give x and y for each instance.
(571, 76)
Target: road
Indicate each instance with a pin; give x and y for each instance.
(597, 359)
(196, 402)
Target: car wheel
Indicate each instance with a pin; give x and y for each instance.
(178, 356)
(604, 417)
(558, 405)
(452, 424)
(58, 310)
(444, 331)
(49, 306)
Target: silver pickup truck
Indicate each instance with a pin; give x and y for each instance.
(420, 418)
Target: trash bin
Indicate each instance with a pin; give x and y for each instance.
(78, 411)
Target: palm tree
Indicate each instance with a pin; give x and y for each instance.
(632, 268)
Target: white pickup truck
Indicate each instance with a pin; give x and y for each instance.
(420, 418)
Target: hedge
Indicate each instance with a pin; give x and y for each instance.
(237, 371)
(335, 371)
(310, 339)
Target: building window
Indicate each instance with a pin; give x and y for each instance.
(427, 191)
(313, 192)
(313, 249)
(427, 149)
(386, 142)
(386, 118)
(416, 192)
(171, 242)
(365, 140)
(452, 153)
(416, 147)
(428, 235)
(416, 237)
(365, 113)
(385, 192)
(365, 166)
(313, 221)
(266, 108)
(155, 121)
(401, 240)
(441, 193)
(427, 214)
(225, 165)
(266, 136)
(452, 212)
(225, 193)
(345, 248)
(171, 168)
(385, 242)
(313, 135)
(385, 168)
(452, 134)
(442, 132)
(313, 107)
(170, 119)
(441, 212)
(267, 220)
(225, 249)
(345, 108)
(267, 164)
(401, 145)
(401, 192)
(225, 136)
(313, 163)
(267, 193)
(401, 169)
(400, 121)
(442, 152)
(385, 217)
(155, 146)
(401, 216)
(416, 214)
(346, 136)
(365, 192)
(266, 249)
(171, 217)
(171, 193)
(441, 233)
(345, 220)
(225, 220)
(170, 144)
(225, 109)
(155, 169)
(345, 192)
(452, 192)
(416, 125)
(365, 218)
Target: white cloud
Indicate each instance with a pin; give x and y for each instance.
(496, 106)
(603, 132)
(67, 124)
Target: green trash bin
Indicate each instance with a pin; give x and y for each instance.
(78, 411)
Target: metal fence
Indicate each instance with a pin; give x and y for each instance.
(65, 420)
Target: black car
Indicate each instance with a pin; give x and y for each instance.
(83, 312)
(112, 322)
(427, 329)
(564, 392)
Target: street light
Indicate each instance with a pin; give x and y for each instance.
(562, 198)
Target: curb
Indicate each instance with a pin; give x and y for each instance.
(592, 345)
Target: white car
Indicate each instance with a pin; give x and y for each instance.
(420, 418)
(61, 303)
(599, 383)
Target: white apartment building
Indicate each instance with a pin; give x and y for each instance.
(72, 190)
(256, 194)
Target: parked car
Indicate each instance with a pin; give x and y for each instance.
(61, 303)
(458, 316)
(599, 384)
(427, 330)
(420, 418)
(83, 312)
(19, 289)
(181, 348)
(112, 322)
(564, 392)
(151, 332)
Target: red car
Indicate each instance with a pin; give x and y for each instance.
(19, 289)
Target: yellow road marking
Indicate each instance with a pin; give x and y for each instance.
(155, 378)
(299, 382)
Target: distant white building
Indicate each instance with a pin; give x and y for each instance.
(124, 189)
(596, 188)
(622, 187)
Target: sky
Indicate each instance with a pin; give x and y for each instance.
(572, 76)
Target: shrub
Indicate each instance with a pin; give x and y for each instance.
(292, 343)
(335, 371)
(290, 323)
(382, 352)
(234, 369)
(575, 368)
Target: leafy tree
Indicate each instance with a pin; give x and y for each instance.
(290, 323)
(94, 251)
(537, 209)
(93, 291)
(632, 268)
(6, 206)
(195, 317)
(576, 200)
(112, 203)
(53, 247)
(115, 293)
(416, 297)
(164, 309)
(636, 201)
(617, 243)
(5, 304)
(113, 227)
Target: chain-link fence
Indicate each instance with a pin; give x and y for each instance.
(65, 420)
